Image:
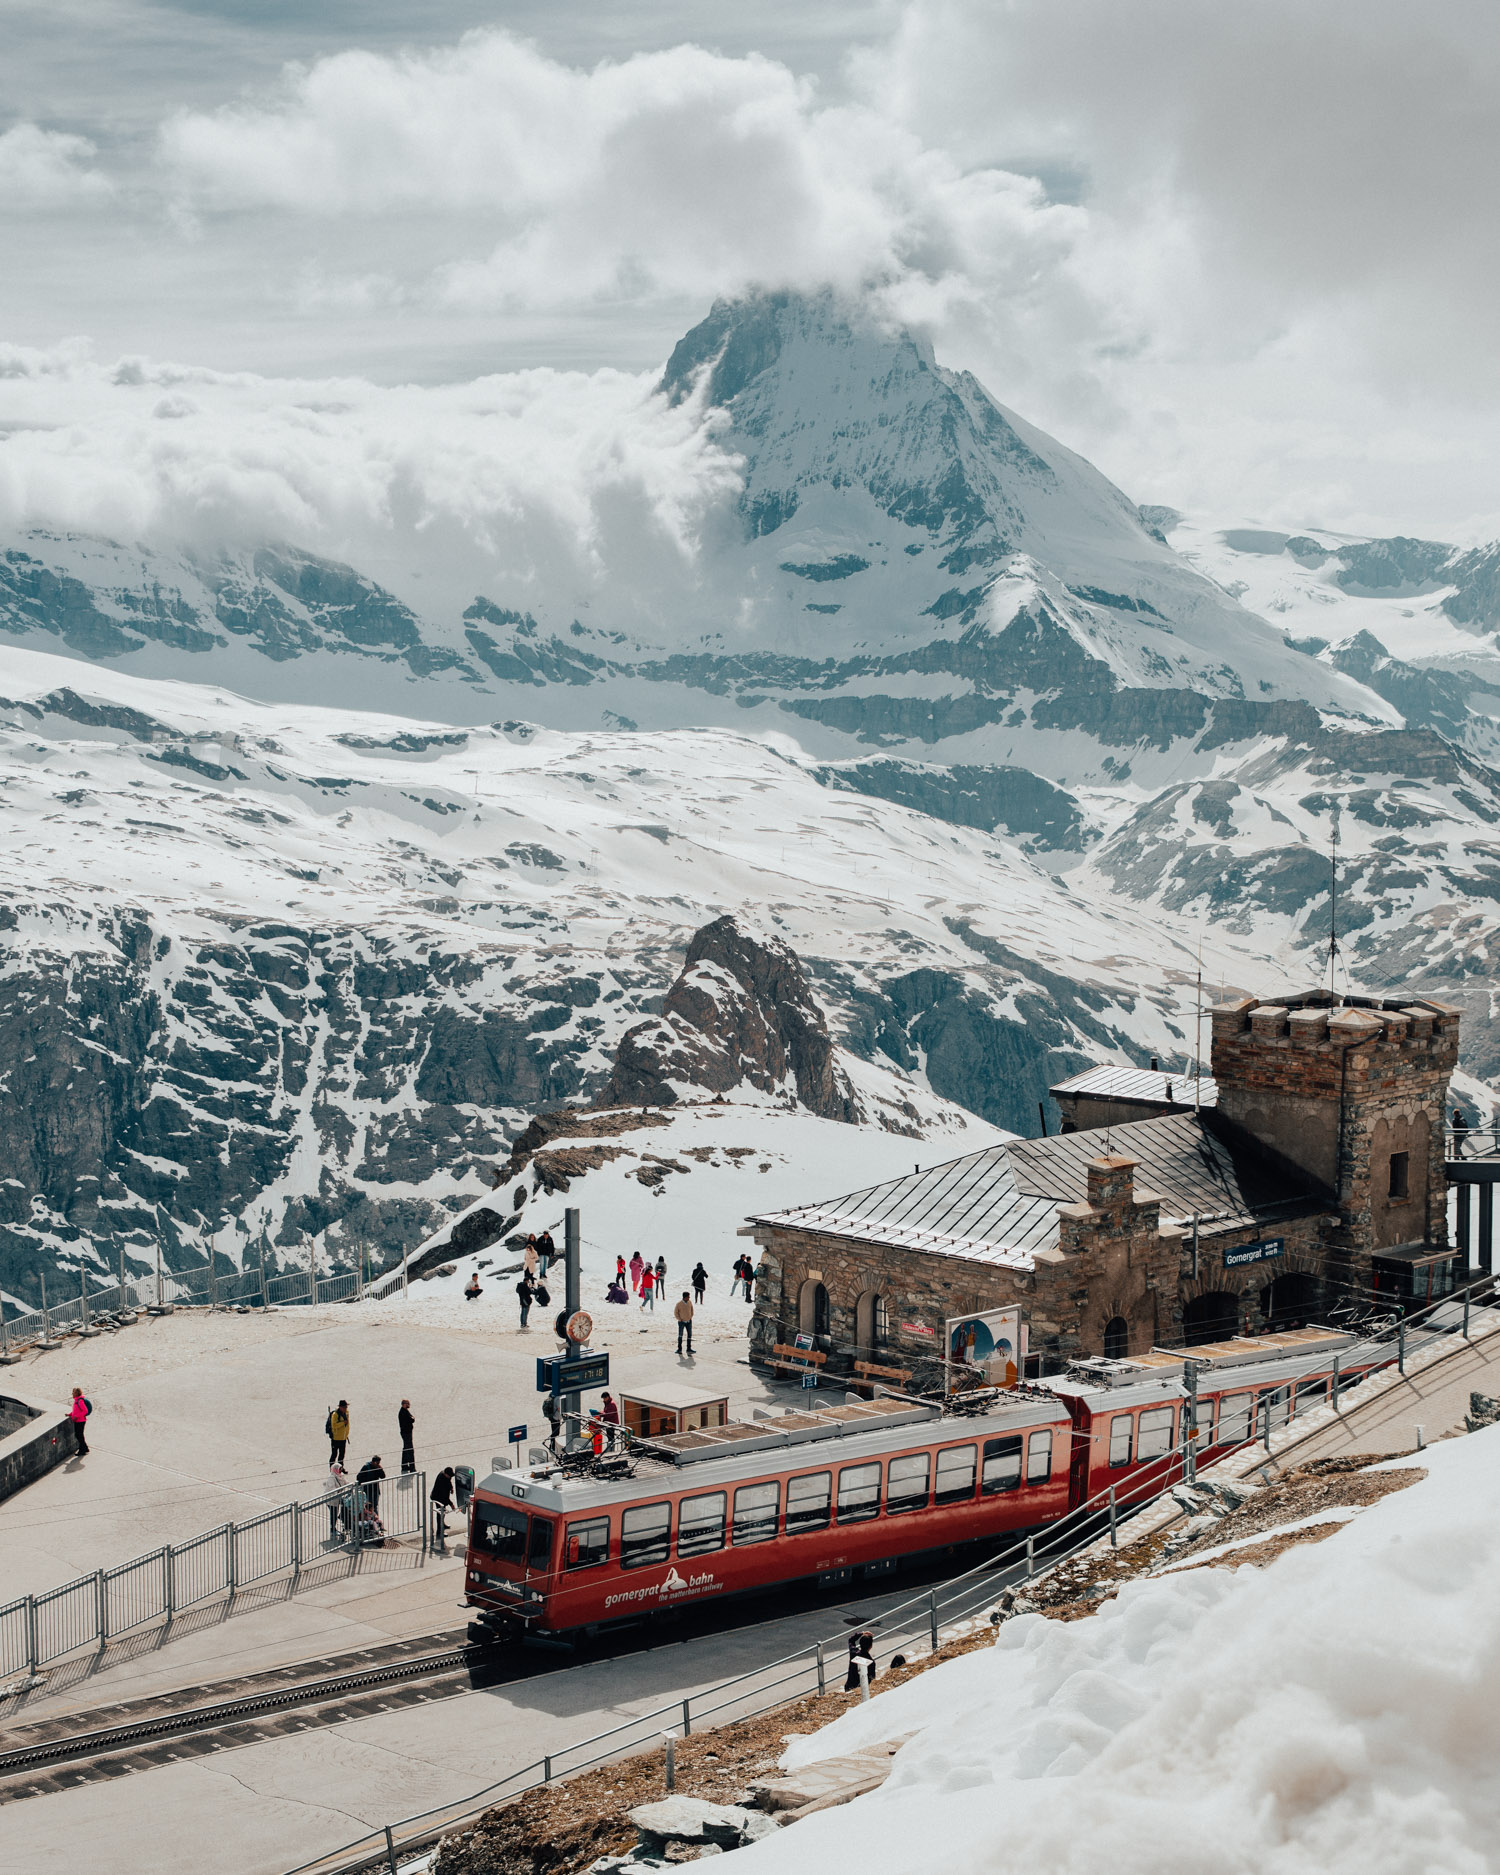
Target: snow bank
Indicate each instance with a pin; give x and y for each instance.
(1333, 1711)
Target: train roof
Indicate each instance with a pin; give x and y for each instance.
(791, 1441)
(1248, 1361)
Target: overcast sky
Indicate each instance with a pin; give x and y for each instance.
(1242, 256)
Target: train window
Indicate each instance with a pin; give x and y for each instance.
(645, 1535)
(1310, 1392)
(1205, 1422)
(755, 1511)
(700, 1524)
(906, 1487)
(587, 1544)
(1234, 1418)
(1121, 1432)
(539, 1550)
(1039, 1456)
(500, 1531)
(1002, 1464)
(808, 1502)
(1156, 1433)
(955, 1474)
(859, 1493)
(1277, 1402)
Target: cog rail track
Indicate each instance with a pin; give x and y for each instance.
(156, 1729)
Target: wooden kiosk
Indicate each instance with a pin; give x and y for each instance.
(663, 1409)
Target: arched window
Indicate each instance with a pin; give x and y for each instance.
(1214, 1317)
(1116, 1338)
(872, 1320)
(812, 1308)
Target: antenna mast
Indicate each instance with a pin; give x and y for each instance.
(1333, 902)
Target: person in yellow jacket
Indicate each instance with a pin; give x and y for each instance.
(337, 1428)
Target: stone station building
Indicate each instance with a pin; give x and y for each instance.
(1309, 1174)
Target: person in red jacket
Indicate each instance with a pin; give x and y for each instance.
(78, 1412)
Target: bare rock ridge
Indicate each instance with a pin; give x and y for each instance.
(741, 1013)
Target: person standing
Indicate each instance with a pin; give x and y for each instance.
(78, 1412)
(546, 1250)
(552, 1413)
(661, 1276)
(406, 1423)
(338, 1500)
(525, 1295)
(700, 1280)
(638, 1267)
(369, 1475)
(684, 1315)
(861, 1661)
(442, 1502)
(529, 1257)
(648, 1288)
(337, 1428)
(609, 1414)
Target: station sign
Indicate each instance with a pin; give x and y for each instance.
(1266, 1250)
(554, 1374)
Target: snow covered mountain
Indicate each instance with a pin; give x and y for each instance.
(291, 977)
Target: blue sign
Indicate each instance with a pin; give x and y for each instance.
(518, 1435)
(1265, 1251)
(555, 1374)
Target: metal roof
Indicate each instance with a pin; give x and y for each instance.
(1000, 1205)
(1144, 1084)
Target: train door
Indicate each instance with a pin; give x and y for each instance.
(1078, 1456)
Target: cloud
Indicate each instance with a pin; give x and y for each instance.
(672, 173)
(47, 169)
(544, 481)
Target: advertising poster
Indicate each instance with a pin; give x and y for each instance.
(992, 1343)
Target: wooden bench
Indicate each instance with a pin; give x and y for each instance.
(785, 1360)
(868, 1372)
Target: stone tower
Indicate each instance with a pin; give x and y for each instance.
(1353, 1091)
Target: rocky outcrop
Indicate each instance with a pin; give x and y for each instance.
(742, 1013)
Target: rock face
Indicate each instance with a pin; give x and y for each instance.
(742, 1013)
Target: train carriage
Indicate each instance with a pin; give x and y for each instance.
(849, 1491)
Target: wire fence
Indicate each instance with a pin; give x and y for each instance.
(102, 1309)
(94, 1609)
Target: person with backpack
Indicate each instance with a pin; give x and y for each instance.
(406, 1424)
(78, 1412)
(337, 1427)
(442, 1502)
(700, 1281)
(525, 1295)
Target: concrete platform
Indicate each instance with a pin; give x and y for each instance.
(200, 1419)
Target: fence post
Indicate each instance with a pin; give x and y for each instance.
(822, 1671)
(390, 1849)
(101, 1604)
(1466, 1311)
(1030, 1557)
(166, 1580)
(1335, 1383)
(546, 1770)
(296, 1539)
(1401, 1347)
(932, 1620)
(1267, 1433)
(671, 1762)
(33, 1650)
(1114, 1521)
(687, 1720)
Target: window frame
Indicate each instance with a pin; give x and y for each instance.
(1031, 1474)
(941, 1498)
(573, 1533)
(489, 1515)
(1398, 1181)
(903, 1506)
(863, 1510)
(801, 1528)
(538, 1523)
(1243, 1414)
(1004, 1445)
(628, 1558)
(738, 1525)
(1142, 1456)
(696, 1547)
(1122, 1464)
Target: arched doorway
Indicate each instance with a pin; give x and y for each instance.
(1214, 1317)
(812, 1308)
(872, 1320)
(1116, 1338)
(1292, 1300)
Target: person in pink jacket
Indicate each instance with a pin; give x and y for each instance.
(78, 1412)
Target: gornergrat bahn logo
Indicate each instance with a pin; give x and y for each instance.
(672, 1583)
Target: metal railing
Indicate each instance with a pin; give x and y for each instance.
(1472, 1142)
(94, 1609)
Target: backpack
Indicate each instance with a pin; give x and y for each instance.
(327, 1424)
(88, 1408)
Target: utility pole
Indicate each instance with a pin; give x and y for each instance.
(1190, 1442)
(573, 1301)
(1333, 902)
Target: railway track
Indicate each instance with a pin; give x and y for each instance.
(56, 1755)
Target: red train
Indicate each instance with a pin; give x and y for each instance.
(852, 1490)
